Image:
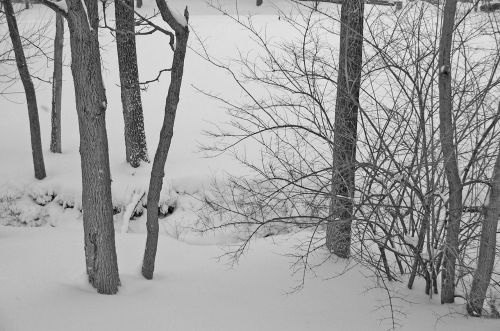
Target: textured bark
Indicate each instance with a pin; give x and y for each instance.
(446, 131)
(487, 246)
(167, 130)
(55, 135)
(29, 89)
(100, 253)
(338, 236)
(135, 138)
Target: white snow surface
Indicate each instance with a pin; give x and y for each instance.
(42, 276)
(44, 287)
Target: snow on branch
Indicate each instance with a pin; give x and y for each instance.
(60, 6)
(180, 18)
(177, 22)
(86, 14)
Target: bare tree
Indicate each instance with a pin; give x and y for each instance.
(91, 104)
(135, 138)
(487, 247)
(36, 141)
(400, 203)
(338, 234)
(158, 170)
(449, 153)
(55, 136)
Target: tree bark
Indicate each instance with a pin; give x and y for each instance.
(135, 138)
(100, 253)
(36, 140)
(139, 3)
(55, 136)
(448, 147)
(338, 236)
(487, 246)
(167, 130)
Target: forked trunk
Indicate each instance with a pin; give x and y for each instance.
(100, 253)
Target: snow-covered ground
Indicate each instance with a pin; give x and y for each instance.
(42, 275)
(44, 287)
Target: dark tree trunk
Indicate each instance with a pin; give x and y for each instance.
(139, 3)
(487, 246)
(338, 236)
(100, 253)
(29, 89)
(55, 136)
(167, 130)
(446, 131)
(135, 138)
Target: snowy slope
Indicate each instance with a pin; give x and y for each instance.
(42, 276)
(43, 286)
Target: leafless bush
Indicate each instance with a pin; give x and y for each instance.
(286, 114)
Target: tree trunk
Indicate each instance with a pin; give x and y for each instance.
(55, 136)
(338, 236)
(446, 130)
(135, 138)
(487, 246)
(36, 140)
(139, 3)
(100, 253)
(167, 130)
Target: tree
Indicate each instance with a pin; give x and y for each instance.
(36, 141)
(487, 246)
(338, 235)
(158, 170)
(55, 136)
(449, 153)
(401, 203)
(135, 138)
(91, 104)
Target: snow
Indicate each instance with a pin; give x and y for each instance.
(44, 287)
(61, 4)
(180, 18)
(86, 14)
(42, 278)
